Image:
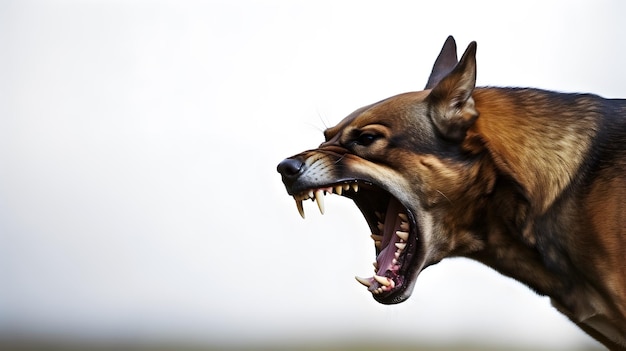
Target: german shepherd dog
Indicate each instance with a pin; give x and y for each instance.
(529, 182)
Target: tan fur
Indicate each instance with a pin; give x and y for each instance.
(518, 137)
(531, 183)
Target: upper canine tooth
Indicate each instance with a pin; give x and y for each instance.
(403, 235)
(319, 198)
(382, 280)
(299, 205)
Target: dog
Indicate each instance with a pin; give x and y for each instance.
(531, 183)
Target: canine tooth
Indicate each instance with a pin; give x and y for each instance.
(403, 235)
(376, 237)
(355, 187)
(300, 208)
(363, 281)
(338, 189)
(319, 198)
(401, 246)
(382, 280)
(403, 217)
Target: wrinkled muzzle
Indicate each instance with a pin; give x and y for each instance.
(314, 174)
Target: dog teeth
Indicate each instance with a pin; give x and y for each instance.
(319, 198)
(403, 235)
(403, 217)
(400, 246)
(376, 237)
(404, 226)
(382, 280)
(318, 194)
(338, 189)
(300, 207)
(365, 281)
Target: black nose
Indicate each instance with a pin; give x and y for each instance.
(289, 167)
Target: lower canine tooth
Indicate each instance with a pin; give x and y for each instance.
(363, 281)
(382, 280)
(319, 198)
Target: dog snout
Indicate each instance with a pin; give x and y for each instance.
(290, 168)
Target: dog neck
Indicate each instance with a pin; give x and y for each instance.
(536, 225)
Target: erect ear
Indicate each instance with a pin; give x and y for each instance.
(450, 101)
(446, 61)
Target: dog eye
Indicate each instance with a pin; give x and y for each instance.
(366, 139)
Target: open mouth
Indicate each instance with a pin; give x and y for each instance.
(393, 230)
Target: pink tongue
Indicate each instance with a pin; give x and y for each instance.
(392, 224)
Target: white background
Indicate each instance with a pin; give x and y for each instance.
(138, 146)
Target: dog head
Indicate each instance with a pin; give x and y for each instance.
(410, 167)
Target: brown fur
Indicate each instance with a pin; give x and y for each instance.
(529, 182)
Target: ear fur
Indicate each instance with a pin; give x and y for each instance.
(444, 64)
(451, 105)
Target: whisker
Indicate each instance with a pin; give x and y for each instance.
(444, 195)
(321, 117)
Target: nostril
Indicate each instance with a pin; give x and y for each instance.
(289, 167)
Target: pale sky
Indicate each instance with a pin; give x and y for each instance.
(139, 141)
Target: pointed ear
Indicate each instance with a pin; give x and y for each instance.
(446, 61)
(450, 101)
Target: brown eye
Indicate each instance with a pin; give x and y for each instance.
(366, 139)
